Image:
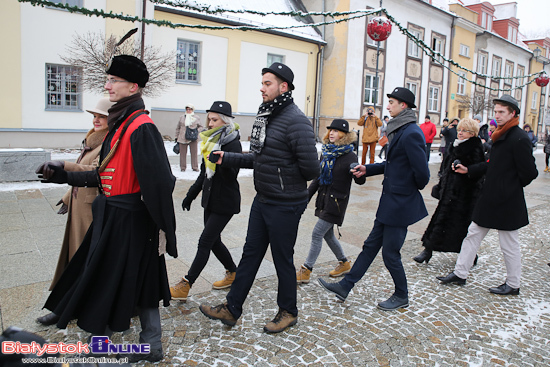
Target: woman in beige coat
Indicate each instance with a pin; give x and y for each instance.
(191, 121)
(77, 202)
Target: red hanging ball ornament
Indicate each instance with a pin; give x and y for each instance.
(542, 80)
(379, 28)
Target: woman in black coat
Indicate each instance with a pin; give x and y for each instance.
(457, 195)
(221, 198)
(333, 187)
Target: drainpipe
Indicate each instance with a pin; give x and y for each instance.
(320, 62)
(143, 6)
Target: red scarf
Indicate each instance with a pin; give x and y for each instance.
(501, 129)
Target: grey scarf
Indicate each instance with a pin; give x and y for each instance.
(405, 117)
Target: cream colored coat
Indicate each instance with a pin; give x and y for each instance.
(180, 129)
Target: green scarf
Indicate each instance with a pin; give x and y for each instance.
(214, 139)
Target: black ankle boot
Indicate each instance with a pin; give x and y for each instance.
(475, 261)
(425, 255)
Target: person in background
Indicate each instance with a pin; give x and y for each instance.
(531, 135)
(483, 129)
(547, 150)
(405, 173)
(77, 202)
(489, 143)
(442, 139)
(284, 157)
(501, 204)
(449, 133)
(333, 189)
(221, 198)
(188, 121)
(119, 269)
(370, 123)
(383, 128)
(429, 130)
(457, 195)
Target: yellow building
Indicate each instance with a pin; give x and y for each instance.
(537, 97)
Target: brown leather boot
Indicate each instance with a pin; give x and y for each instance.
(219, 312)
(282, 320)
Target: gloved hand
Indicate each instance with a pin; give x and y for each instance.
(186, 204)
(59, 175)
(45, 170)
(64, 208)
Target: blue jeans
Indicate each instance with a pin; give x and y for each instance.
(323, 229)
(428, 148)
(390, 239)
(275, 225)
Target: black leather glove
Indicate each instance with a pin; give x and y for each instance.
(64, 208)
(186, 204)
(45, 171)
(58, 175)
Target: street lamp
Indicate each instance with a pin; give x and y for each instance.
(541, 81)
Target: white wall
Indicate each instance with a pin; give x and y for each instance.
(45, 34)
(253, 60)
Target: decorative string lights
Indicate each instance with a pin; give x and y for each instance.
(343, 17)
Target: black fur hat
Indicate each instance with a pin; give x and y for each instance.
(130, 68)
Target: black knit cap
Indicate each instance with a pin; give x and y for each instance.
(339, 124)
(282, 71)
(403, 95)
(130, 68)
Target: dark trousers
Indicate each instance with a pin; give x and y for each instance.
(210, 240)
(390, 239)
(428, 148)
(384, 150)
(275, 225)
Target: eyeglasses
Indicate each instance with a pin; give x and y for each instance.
(112, 81)
(464, 131)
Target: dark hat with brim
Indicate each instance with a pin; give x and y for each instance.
(509, 101)
(339, 124)
(282, 71)
(403, 95)
(221, 107)
(130, 68)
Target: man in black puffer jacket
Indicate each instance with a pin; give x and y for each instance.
(284, 158)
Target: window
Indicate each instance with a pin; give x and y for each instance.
(371, 86)
(63, 88)
(534, 101)
(496, 67)
(461, 88)
(433, 99)
(508, 71)
(482, 63)
(484, 20)
(412, 87)
(464, 50)
(489, 22)
(414, 49)
(187, 61)
(437, 46)
(271, 58)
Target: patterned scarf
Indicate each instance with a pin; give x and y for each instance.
(257, 138)
(501, 129)
(214, 139)
(329, 153)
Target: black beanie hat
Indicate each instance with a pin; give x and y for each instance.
(130, 68)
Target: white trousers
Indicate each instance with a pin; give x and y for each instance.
(509, 244)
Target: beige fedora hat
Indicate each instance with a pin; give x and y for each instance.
(102, 107)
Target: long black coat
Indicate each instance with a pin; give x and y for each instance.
(223, 188)
(458, 196)
(511, 167)
(332, 200)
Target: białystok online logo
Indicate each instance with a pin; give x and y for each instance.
(98, 345)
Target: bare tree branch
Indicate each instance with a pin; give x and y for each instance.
(477, 103)
(91, 51)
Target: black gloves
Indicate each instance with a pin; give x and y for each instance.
(64, 208)
(186, 204)
(52, 171)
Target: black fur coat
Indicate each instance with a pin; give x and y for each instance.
(458, 195)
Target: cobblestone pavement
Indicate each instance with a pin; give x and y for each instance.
(443, 326)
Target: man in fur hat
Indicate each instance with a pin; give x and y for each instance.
(120, 269)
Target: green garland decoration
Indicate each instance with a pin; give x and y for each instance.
(434, 55)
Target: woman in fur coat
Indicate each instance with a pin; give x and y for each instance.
(457, 195)
(333, 187)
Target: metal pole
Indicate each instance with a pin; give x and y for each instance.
(376, 74)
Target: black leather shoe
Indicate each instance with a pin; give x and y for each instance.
(48, 319)
(452, 278)
(335, 288)
(154, 356)
(504, 289)
(425, 255)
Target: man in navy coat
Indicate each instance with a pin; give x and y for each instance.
(401, 204)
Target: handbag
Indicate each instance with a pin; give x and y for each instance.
(176, 148)
(383, 141)
(191, 134)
